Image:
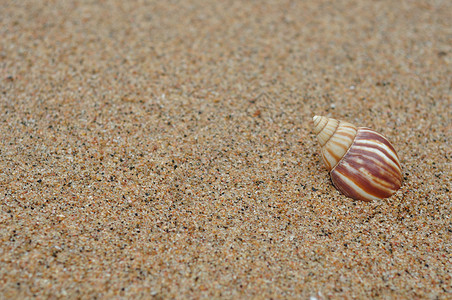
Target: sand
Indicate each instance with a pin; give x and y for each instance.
(165, 149)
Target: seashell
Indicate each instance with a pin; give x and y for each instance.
(363, 164)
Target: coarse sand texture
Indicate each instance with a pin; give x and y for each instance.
(166, 149)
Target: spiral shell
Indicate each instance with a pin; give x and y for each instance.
(363, 164)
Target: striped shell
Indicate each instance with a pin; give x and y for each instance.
(362, 163)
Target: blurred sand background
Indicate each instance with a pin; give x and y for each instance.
(165, 149)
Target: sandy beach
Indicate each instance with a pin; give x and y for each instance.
(165, 149)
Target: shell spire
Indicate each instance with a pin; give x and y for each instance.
(335, 137)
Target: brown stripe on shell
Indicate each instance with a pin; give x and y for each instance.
(323, 127)
(367, 166)
(326, 162)
(343, 138)
(347, 125)
(337, 143)
(334, 132)
(373, 161)
(364, 181)
(333, 155)
(385, 155)
(348, 190)
(375, 149)
(346, 134)
(369, 134)
(375, 174)
(379, 173)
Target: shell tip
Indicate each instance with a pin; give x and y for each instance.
(316, 120)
